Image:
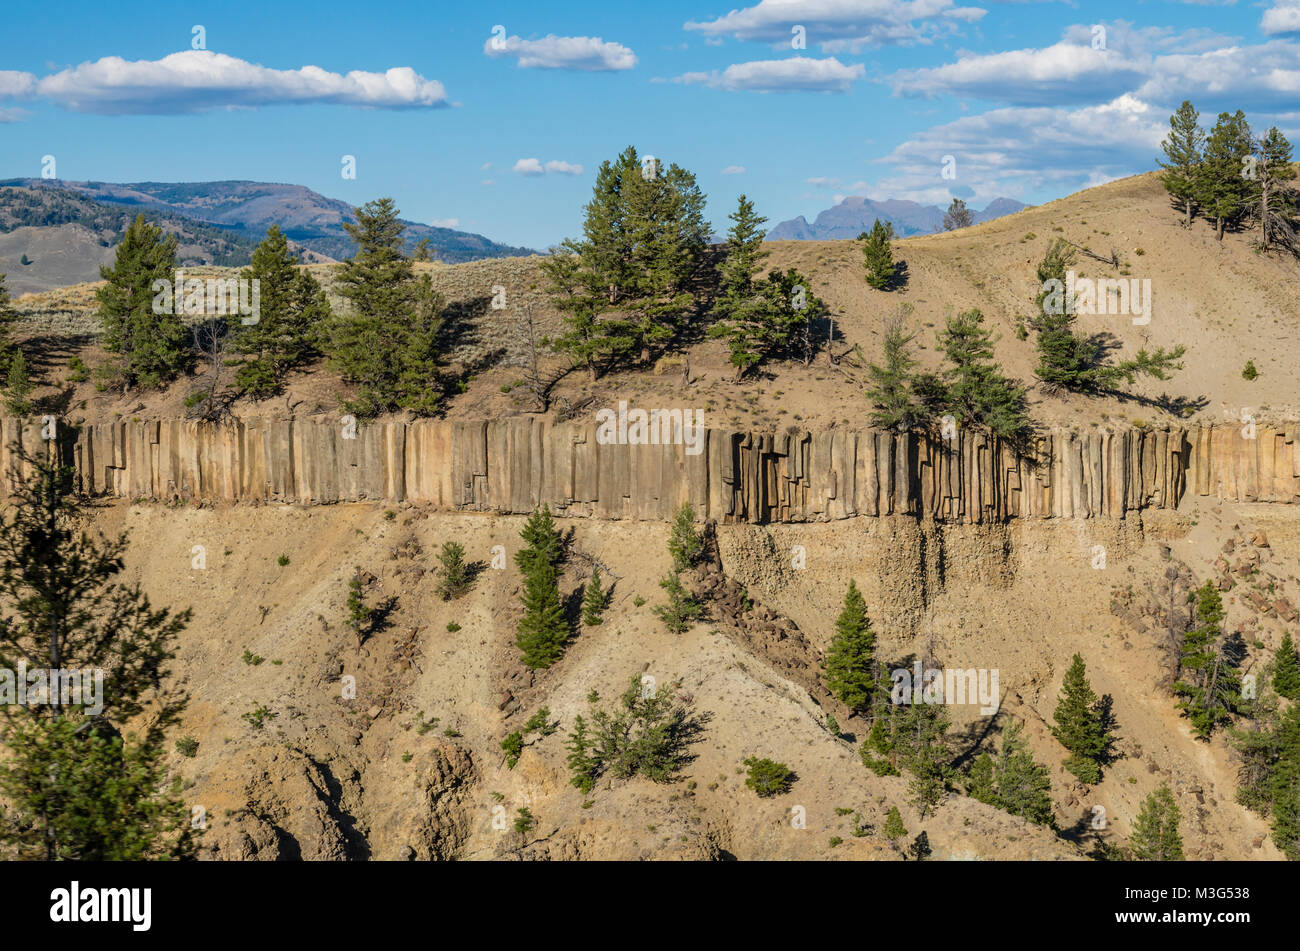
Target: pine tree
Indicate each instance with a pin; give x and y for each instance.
(894, 828)
(1024, 786)
(1286, 669)
(77, 788)
(850, 662)
(141, 325)
(895, 406)
(878, 256)
(386, 342)
(744, 305)
(1155, 835)
(982, 780)
(575, 291)
(454, 575)
(684, 543)
(682, 608)
(18, 385)
(1284, 786)
(1182, 147)
(292, 310)
(957, 216)
(1276, 198)
(922, 748)
(360, 615)
(7, 317)
(1080, 726)
(1068, 359)
(1208, 681)
(545, 545)
(974, 387)
(1222, 189)
(543, 630)
(593, 600)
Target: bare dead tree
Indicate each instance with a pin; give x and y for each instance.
(538, 384)
(211, 340)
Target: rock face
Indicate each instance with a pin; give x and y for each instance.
(513, 465)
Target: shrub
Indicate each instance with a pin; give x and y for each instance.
(187, 746)
(768, 777)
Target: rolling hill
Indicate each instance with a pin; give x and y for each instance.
(307, 218)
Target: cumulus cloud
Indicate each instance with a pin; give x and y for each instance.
(533, 167)
(1212, 70)
(796, 74)
(16, 85)
(1019, 150)
(1063, 72)
(734, 170)
(445, 223)
(199, 80)
(842, 25)
(1281, 18)
(586, 53)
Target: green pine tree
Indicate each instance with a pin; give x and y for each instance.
(455, 576)
(18, 385)
(1024, 786)
(850, 662)
(1286, 669)
(593, 600)
(894, 828)
(682, 608)
(684, 543)
(878, 255)
(1208, 682)
(1277, 202)
(544, 543)
(386, 341)
(1155, 835)
(1222, 189)
(974, 387)
(543, 630)
(292, 311)
(1080, 726)
(1284, 785)
(895, 405)
(78, 783)
(142, 324)
(1182, 148)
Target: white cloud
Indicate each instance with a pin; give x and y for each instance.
(1016, 151)
(445, 223)
(487, 181)
(1063, 72)
(485, 166)
(534, 167)
(16, 85)
(734, 170)
(587, 53)
(1282, 17)
(13, 115)
(822, 181)
(842, 25)
(198, 80)
(1213, 71)
(796, 74)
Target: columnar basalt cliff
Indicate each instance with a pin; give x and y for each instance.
(512, 465)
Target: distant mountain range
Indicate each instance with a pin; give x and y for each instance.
(53, 237)
(854, 215)
(307, 218)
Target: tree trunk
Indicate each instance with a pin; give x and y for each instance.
(1187, 209)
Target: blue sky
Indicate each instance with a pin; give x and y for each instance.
(503, 137)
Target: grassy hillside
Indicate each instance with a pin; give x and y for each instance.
(1227, 303)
